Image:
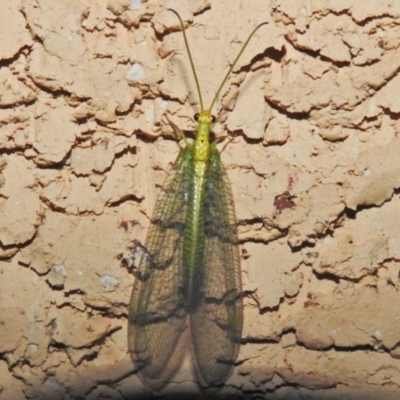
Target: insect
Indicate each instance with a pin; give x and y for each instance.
(189, 279)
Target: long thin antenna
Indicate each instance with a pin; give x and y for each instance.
(234, 63)
(230, 69)
(190, 57)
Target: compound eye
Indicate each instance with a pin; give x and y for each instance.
(212, 119)
(196, 117)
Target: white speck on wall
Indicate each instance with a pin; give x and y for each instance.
(109, 282)
(329, 240)
(59, 269)
(80, 273)
(136, 4)
(150, 114)
(356, 149)
(135, 73)
(303, 12)
(211, 33)
(367, 172)
(378, 335)
(32, 349)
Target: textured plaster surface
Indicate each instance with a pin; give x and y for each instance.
(310, 119)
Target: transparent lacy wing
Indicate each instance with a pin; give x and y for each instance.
(159, 304)
(216, 307)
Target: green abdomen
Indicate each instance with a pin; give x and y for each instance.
(193, 243)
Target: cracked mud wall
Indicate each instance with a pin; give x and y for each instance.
(311, 119)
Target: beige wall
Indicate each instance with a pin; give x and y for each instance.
(312, 151)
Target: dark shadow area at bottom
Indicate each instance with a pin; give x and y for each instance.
(290, 395)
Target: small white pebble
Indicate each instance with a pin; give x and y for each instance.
(211, 33)
(59, 269)
(136, 4)
(32, 349)
(378, 335)
(367, 172)
(135, 73)
(109, 281)
(329, 240)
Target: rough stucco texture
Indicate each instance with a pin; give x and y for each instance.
(311, 120)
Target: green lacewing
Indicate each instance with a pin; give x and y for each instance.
(189, 277)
